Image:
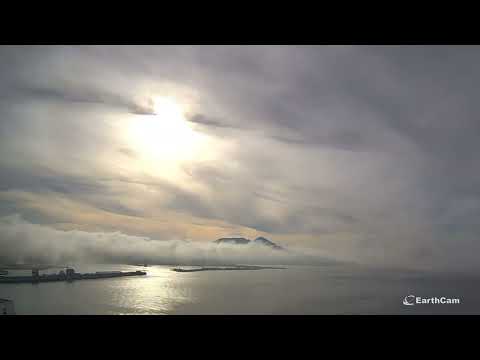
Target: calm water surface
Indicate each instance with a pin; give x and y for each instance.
(332, 289)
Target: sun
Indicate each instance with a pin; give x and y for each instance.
(167, 108)
(165, 139)
(166, 133)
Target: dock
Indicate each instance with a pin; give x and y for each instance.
(68, 275)
(7, 307)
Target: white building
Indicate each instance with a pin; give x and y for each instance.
(6, 307)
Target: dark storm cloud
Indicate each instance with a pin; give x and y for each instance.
(379, 142)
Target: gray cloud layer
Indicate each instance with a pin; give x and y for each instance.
(367, 153)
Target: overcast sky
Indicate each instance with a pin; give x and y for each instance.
(362, 153)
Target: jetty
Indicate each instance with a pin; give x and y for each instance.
(68, 275)
(226, 268)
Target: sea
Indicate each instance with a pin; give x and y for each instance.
(326, 289)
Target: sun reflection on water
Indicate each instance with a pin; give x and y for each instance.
(159, 292)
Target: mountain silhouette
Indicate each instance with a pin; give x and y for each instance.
(243, 241)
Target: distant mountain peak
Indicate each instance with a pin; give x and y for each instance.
(266, 242)
(243, 241)
(232, 240)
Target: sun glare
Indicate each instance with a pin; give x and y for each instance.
(167, 108)
(165, 139)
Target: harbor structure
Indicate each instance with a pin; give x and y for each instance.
(7, 307)
(68, 275)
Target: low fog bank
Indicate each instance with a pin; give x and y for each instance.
(22, 242)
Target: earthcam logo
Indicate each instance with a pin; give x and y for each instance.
(411, 300)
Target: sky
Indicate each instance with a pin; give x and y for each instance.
(356, 153)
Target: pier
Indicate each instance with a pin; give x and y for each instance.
(68, 275)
